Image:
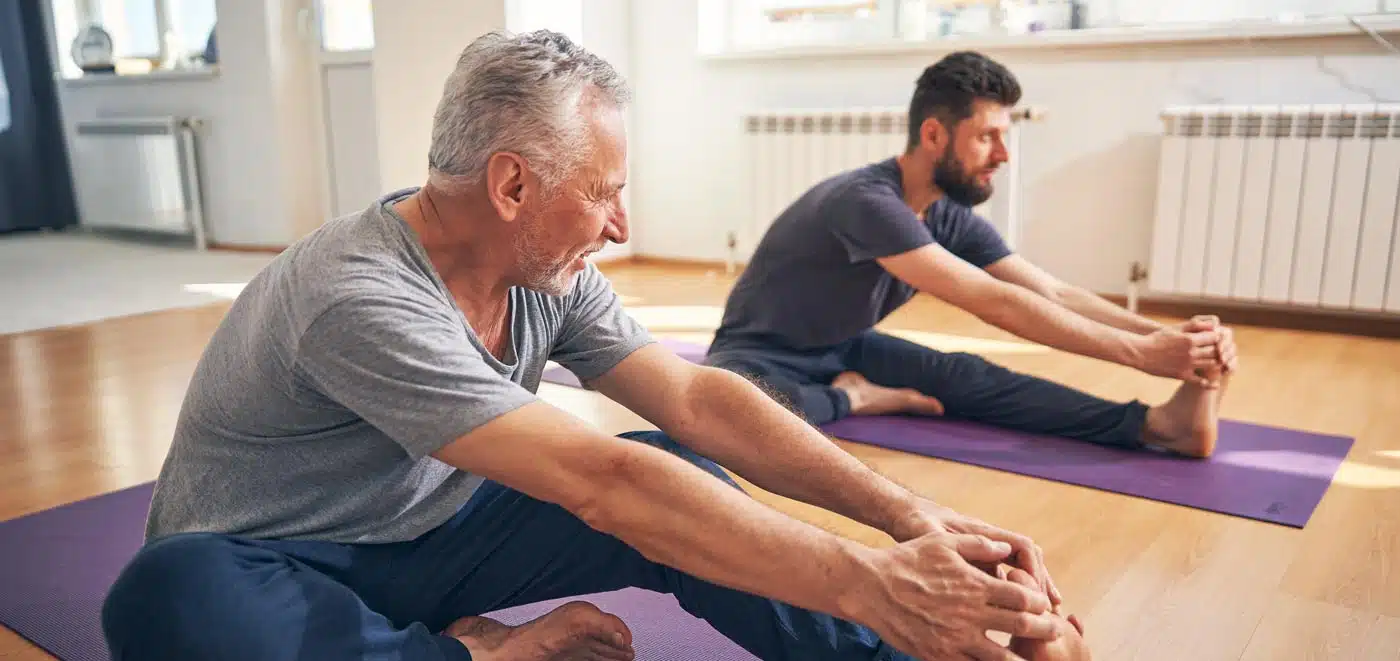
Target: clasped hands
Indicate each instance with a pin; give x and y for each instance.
(1200, 350)
(952, 578)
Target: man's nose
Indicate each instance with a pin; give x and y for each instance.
(617, 229)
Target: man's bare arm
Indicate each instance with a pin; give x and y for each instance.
(925, 595)
(731, 421)
(1018, 271)
(661, 505)
(1015, 309)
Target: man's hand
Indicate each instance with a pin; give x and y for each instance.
(930, 599)
(1025, 553)
(1178, 354)
(1225, 349)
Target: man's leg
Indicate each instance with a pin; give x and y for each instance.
(973, 388)
(211, 597)
(538, 551)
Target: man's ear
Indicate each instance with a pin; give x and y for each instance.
(507, 184)
(933, 134)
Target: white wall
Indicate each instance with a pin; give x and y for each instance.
(416, 45)
(258, 157)
(352, 145)
(607, 32)
(1089, 170)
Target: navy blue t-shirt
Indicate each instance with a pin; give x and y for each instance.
(813, 281)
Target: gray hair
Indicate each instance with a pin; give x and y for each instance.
(520, 94)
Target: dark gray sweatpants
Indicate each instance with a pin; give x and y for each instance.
(969, 386)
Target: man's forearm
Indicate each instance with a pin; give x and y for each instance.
(736, 424)
(1095, 307)
(677, 515)
(1017, 310)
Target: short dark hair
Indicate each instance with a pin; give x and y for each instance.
(947, 88)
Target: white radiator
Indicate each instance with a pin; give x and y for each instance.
(788, 151)
(139, 173)
(1291, 206)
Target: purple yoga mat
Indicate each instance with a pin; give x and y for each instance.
(661, 629)
(56, 567)
(1257, 472)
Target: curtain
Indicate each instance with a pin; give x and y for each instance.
(36, 185)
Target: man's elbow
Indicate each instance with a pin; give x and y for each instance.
(601, 496)
(995, 303)
(707, 397)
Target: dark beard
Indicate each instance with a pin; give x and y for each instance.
(951, 177)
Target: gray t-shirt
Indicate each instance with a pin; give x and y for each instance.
(813, 281)
(337, 372)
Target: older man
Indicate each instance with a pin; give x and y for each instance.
(362, 466)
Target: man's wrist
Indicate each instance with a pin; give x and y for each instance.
(854, 577)
(1133, 350)
(921, 519)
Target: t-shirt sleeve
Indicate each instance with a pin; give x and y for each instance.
(970, 236)
(872, 221)
(406, 368)
(596, 333)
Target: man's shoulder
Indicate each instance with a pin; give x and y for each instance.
(877, 180)
(358, 258)
(834, 200)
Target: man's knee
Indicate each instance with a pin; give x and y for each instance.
(662, 441)
(153, 591)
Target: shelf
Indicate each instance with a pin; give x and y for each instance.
(1093, 37)
(92, 80)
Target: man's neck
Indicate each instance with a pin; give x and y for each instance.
(472, 261)
(919, 191)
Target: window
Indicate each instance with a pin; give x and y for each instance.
(133, 25)
(739, 25)
(347, 25)
(531, 15)
(763, 23)
(146, 34)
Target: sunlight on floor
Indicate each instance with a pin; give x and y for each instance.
(1391, 454)
(1367, 476)
(677, 317)
(228, 290)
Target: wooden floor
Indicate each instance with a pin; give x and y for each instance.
(88, 410)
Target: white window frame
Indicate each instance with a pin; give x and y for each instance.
(89, 12)
(338, 54)
(746, 30)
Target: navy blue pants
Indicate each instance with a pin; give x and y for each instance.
(213, 597)
(969, 386)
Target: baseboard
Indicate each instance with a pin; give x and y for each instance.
(239, 247)
(1246, 314)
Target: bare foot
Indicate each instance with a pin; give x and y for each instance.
(1070, 646)
(1188, 423)
(576, 631)
(870, 399)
